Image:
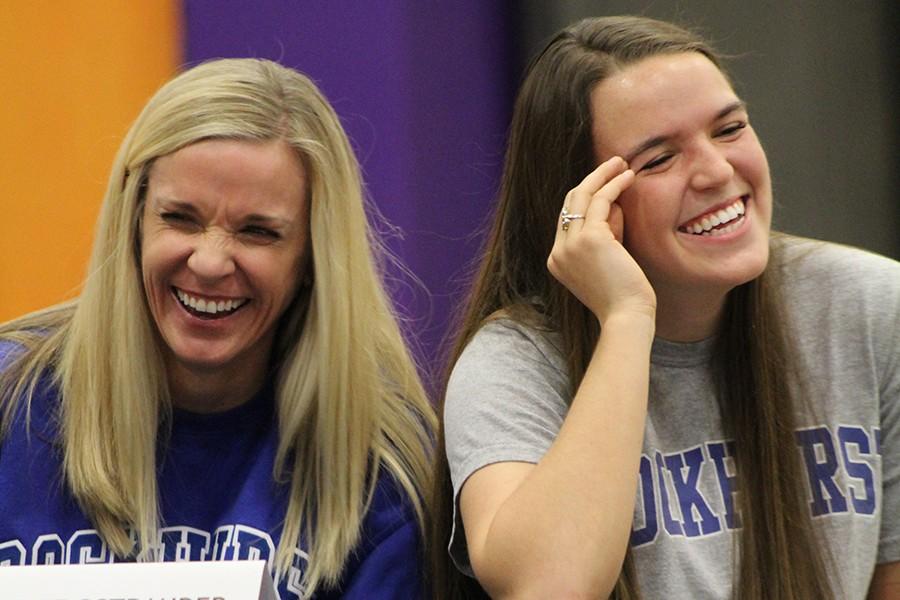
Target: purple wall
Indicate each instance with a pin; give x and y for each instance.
(424, 93)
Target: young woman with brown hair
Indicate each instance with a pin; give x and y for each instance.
(674, 389)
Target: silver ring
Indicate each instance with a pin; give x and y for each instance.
(568, 217)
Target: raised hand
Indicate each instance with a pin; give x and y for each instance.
(588, 256)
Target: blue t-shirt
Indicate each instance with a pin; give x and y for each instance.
(218, 501)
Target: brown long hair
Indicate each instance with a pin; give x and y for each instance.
(550, 151)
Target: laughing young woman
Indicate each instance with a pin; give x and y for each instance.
(231, 383)
(675, 404)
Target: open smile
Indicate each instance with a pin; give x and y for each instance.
(208, 308)
(719, 221)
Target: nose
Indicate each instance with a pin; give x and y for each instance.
(711, 167)
(212, 258)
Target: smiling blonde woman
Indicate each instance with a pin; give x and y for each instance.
(231, 383)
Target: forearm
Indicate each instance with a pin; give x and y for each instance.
(565, 528)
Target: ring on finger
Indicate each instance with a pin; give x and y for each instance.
(568, 217)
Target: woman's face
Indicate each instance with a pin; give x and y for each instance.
(698, 213)
(223, 250)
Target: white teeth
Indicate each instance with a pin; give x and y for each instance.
(211, 307)
(728, 215)
(722, 231)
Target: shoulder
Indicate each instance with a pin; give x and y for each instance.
(31, 396)
(508, 368)
(845, 268)
(504, 344)
(838, 278)
(9, 351)
(841, 301)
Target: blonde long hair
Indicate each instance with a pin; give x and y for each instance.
(349, 401)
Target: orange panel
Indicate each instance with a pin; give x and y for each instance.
(75, 75)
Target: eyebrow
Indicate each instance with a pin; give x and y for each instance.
(166, 203)
(271, 221)
(659, 139)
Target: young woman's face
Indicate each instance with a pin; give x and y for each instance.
(697, 216)
(224, 238)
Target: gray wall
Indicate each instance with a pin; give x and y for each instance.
(821, 80)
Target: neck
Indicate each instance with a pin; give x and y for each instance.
(202, 390)
(688, 316)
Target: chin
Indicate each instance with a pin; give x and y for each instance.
(754, 270)
(721, 275)
(748, 263)
(201, 359)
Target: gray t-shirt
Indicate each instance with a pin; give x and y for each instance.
(509, 393)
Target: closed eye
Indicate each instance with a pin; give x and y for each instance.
(261, 232)
(656, 162)
(732, 129)
(177, 219)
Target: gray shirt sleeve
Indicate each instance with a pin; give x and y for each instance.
(506, 401)
(846, 305)
(889, 545)
(887, 354)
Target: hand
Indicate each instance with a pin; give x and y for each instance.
(589, 258)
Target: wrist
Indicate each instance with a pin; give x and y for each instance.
(632, 320)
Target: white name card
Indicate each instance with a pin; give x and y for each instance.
(212, 580)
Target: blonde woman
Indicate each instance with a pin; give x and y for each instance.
(231, 383)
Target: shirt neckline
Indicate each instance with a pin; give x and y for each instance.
(259, 408)
(681, 354)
